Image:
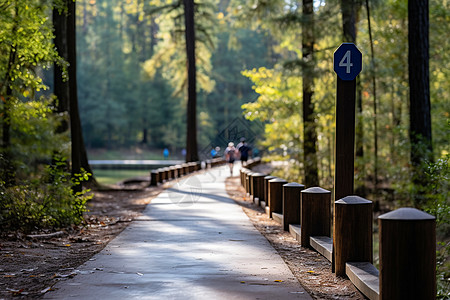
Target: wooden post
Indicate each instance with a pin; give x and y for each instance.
(352, 232)
(258, 186)
(179, 170)
(192, 167)
(154, 178)
(185, 169)
(276, 195)
(242, 172)
(315, 214)
(172, 172)
(249, 176)
(162, 175)
(244, 178)
(345, 139)
(291, 204)
(407, 255)
(266, 188)
(347, 63)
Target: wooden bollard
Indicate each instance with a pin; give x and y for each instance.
(315, 214)
(241, 173)
(172, 171)
(258, 186)
(250, 182)
(247, 181)
(352, 237)
(166, 173)
(276, 195)
(407, 254)
(244, 178)
(154, 178)
(266, 188)
(160, 175)
(179, 170)
(291, 204)
(192, 167)
(185, 169)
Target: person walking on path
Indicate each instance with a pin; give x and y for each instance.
(244, 150)
(230, 156)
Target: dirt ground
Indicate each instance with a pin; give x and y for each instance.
(32, 264)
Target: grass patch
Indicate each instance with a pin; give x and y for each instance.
(135, 153)
(114, 176)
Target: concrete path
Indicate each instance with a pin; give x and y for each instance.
(193, 242)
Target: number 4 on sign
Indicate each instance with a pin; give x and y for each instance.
(346, 61)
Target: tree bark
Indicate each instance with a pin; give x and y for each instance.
(6, 162)
(191, 138)
(420, 108)
(309, 130)
(79, 155)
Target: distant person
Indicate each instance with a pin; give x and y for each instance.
(166, 153)
(213, 153)
(230, 156)
(244, 150)
(183, 152)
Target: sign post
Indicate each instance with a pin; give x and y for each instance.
(347, 65)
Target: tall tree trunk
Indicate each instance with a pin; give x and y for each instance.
(420, 108)
(75, 125)
(60, 83)
(309, 130)
(61, 87)
(79, 155)
(191, 138)
(375, 101)
(6, 162)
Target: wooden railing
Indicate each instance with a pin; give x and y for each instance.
(407, 236)
(162, 175)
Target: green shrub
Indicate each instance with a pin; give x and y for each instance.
(438, 204)
(47, 202)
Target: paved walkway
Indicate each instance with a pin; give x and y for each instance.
(193, 242)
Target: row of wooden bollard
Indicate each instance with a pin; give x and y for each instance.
(161, 175)
(407, 236)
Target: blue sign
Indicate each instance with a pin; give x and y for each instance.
(347, 61)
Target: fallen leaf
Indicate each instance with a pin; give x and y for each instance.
(278, 280)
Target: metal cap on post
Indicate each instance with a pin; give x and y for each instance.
(276, 195)
(352, 232)
(315, 214)
(407, 254)
(291, 204)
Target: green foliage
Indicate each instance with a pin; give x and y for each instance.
(46, 202)
(120, 102)
(33, 135)
(438, 204)
(25, 43)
